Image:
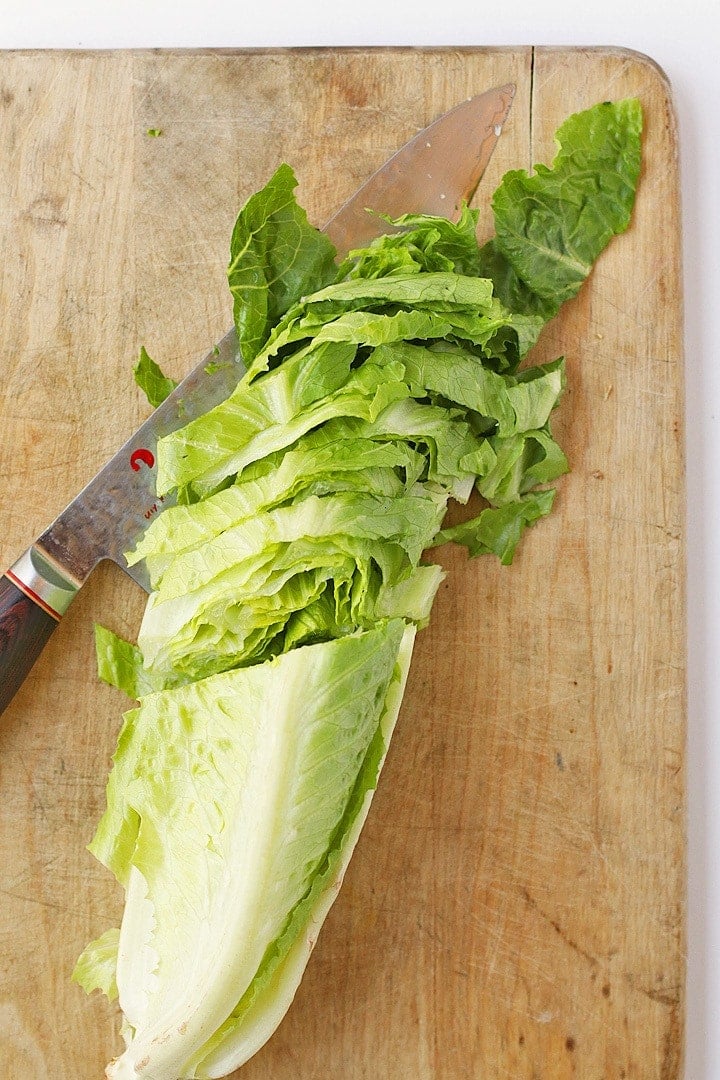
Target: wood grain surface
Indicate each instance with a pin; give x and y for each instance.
(515, 907)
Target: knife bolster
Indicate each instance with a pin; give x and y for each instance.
(39, 579)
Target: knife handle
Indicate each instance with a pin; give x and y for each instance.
(33, 599)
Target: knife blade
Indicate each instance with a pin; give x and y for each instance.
(433, 173)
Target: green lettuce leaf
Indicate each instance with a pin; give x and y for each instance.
(97, 965)
(424, 242)
(262, 1007)
(271, 414)
(315, 466)
(276, 256)
(497, 530)
(519, 462)
(120, 664)
(430, 307)
(551, 226)
(513, 403)
(151, 380)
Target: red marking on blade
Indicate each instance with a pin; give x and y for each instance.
(141, 455)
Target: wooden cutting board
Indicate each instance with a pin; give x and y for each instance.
(515, 908)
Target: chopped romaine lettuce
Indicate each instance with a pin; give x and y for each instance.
(288, 582)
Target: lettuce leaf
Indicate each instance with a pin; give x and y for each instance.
(151, 380)
(96, 968)
(316, 465)
(275, 257)
(426, 243)
(550, 227)
(121, 664)
(271, 414)
(497, 529)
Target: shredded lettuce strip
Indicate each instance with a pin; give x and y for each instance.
(290, 578)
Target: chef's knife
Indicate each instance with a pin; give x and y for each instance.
(433, 174)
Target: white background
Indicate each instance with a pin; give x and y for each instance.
(683, 37)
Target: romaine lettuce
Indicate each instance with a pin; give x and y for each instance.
(230, 807)
(288, 583)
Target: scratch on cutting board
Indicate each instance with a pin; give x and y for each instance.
(562, 934)
(620, 73)
(42, 903)
(545, 1017)
(663, 995)
(38, 803)
(38, 112)
(30, 873)
(665, 268)
(150, 86)
(496, 933)
(83, 180)
(184, 264)
(508, 722)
